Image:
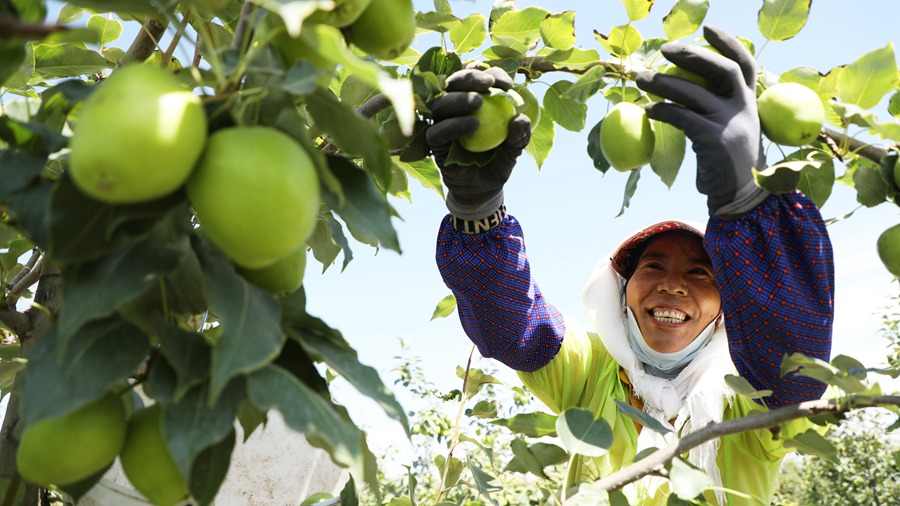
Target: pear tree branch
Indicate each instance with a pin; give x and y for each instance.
(655, 463)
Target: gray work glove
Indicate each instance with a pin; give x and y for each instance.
(723, 125)
(474, 192)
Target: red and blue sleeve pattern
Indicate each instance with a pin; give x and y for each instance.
(775, 271)
(501, 309)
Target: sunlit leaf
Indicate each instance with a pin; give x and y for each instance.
(558, 30)
(534, 458)
(583, 434)
(868, 79)
(107, 30)
(469, 34)
(445, 307)
(782, 19)
(569, 113)
(52, 61)
(587, 85)
(812, 443)
(536, 424)
(425, 171)
(574, 59)
(686, 481)
(641, 417)
(475, 380)
(453, 473)
(685, 18)
(637, 9)
(743, 387)
(542, 140)
(668, 151)
(519, 29)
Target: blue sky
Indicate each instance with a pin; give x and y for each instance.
(568, 211)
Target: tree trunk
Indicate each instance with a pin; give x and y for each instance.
(49, 296)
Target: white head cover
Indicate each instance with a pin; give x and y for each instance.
(694, 398)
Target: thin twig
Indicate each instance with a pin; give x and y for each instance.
(243, 25)
(144, 43)
(868, 151)
(656, 461)
(29, 265)
(31, 277)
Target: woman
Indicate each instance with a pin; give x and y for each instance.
(674, 310)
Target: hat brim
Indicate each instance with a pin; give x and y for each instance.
(621, 256)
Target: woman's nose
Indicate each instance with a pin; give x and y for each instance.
(673, 283)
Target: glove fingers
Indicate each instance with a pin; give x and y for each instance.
(455, 104)
(732, 48)
(519, 132)
(445, 132)
(724, 73)
(502, 80)
(677, 90)
(470, 80)
(694, 125)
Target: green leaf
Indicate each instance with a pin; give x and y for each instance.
(250, 320)
(69, 13)
(445, 307)
(328, 240)
(476, 379)
(348, 493)
(685, 18)
(352, 133)
(317, 338)
(519, 29)
(569, 113)
(330, 42)
(83, 229)
(687, 482)
(16, 63)
(107, 30)
(668, 151)
(306, 411)
(812, 443)
(534, 458)
(536, 424)
(100, 356)
(558, 30)
(453, 474)
(425, 171)
(129, 9)
(741, 386)
(483, 409)
(637, 9)
(94, 290)
(587, 85)
(630, 188)
(583, 434)
(573, 59)
(642, 418)
(782, 19)
(192, 424)
(365, 211)
(624, 40)
(8, 371)
(54, 61)
(871, 188)
(436, 21)
(186, 352)
(469, 34)
(593, 148)
(486, 449)
(894, 105)
(484, 482)
(865, 81)
(209, 470)
(541, 140)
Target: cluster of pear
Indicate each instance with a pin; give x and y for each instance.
(790, 114)
(141, 136)
(69, 448)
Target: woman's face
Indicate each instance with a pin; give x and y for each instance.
(672, 292)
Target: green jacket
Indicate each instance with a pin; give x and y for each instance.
(583, 374)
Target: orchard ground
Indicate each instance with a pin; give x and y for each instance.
(568, 211)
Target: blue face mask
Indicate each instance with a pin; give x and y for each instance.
(665, 365)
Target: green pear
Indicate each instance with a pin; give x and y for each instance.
(790, 114)
(626, 137)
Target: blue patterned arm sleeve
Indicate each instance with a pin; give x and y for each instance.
(501, 309)
(775, 271)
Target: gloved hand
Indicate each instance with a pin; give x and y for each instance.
(473, 192)
(723, 125)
